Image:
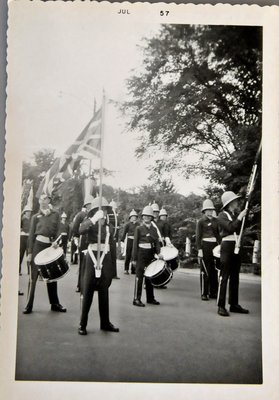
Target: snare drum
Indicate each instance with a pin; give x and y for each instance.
(52, 264)
(158, 273)
(170, 255)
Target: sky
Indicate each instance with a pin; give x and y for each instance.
(59, 67)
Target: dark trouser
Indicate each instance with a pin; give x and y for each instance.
(64, 241)
(90, 284)
(80, 269)
(113, 254)
(22, 249)
(51, 287)
(208, 273)
(74, 255)
(128, 256)
(145, 256)
(230, 267)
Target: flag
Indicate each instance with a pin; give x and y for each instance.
(87, 145)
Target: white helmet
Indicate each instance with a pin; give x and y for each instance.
(207, 205)
(155, 207)
(133, 213)
(228, 197)
(148, 210)
(163, 212)
(63, 215)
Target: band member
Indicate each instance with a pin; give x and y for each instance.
(146, 245)
(229, 224)
(74, 247)
(127, 240)
(24, 233)
(43, 230)
(207, 238)
(164, 227)
(81, 240)
(64, 232)
(97, 277)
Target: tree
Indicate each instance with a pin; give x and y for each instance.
(199, 93)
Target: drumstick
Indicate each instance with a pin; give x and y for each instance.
(56, 240)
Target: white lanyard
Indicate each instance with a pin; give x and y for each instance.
(93, 258)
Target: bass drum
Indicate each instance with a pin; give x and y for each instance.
(173, 264)
(158, 273)
(52, 264)
(169, 253)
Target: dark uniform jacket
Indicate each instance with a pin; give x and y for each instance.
(143, 235)
(25, 224)
(164, 228)
(64, 228)
(206, 228)
(45, 225)
(227, 226)
(129, 229)
(90, 230)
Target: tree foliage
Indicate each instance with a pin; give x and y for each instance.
(198, 96)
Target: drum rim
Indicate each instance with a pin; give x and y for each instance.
(156, 260)
(49, 262)
(165, 282)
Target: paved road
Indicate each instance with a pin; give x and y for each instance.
(183, 340)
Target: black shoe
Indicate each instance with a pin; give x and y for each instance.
(213, 296)
(116, 277)
(77, 290)
(82, 331)
(155, 302)
(58, 308)
(138, 303)
(133, 272)
(126, 272)
(20, 293)
(238, 309)
(109, 328)
(223, 312)
(204, 297)
(27, 311)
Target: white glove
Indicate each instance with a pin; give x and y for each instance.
(160, 256)
(98, 215)
(122, 246)
(242, 214)
(168, 242)
(200, 253)
(76, 241)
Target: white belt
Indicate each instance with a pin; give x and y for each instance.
(230, 238)
(145, 245)
(94, 247)
(43, 239)
(130, 237)
(63, 234)
(24, 234)
(211, 239)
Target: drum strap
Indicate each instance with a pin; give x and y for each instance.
(158, 231)
(92, 256)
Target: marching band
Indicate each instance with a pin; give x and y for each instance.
(146, 247)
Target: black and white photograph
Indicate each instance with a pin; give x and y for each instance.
(139, 250)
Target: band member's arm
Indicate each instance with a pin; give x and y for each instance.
(229, 226)
(125, 231)
(216, 230)
(32, 230)
(199, 234)
(135, 245)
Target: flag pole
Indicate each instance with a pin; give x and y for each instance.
(101, 178)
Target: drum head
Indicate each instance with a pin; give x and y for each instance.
(169, 253)
(48, 255)
(153, 268)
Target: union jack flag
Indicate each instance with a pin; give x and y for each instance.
(86, 146)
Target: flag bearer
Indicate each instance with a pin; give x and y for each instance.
(97, 277)
(229, 224)
(127, 240)
(146, 245)
(207, 237)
